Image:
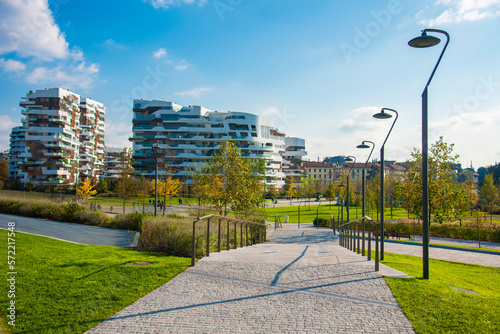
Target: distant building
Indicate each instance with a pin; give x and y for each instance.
(293, 157)
(61, 140)
(193, 134)
(321, 172)
(16, 148)
(112, 162)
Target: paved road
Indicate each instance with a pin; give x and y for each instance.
(301, 281)
(77, 233)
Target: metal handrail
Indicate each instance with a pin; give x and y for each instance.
(229, 220)
(277, 221)
(348, 237)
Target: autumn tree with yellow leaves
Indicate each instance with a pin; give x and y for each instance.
(86, 191)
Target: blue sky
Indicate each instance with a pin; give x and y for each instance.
(318, 69)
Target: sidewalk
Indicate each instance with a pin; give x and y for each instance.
(301, 281)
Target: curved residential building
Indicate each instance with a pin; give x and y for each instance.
(293, 157)
(193, 134)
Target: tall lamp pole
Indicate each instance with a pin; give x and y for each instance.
(341, 205)
(425, 41)
(349, 159)
(383, 115)
(364, 145)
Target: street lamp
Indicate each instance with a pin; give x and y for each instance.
(341, 205)
(425, 41)
(349, 159)
(157, 150)
(383, 115)
(364, 146)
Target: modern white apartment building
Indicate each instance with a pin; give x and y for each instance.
(112, 162)
(193, 134)
(92, 116)
(63, 137)
(16, 148)
(293, 157)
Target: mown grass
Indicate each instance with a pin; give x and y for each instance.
(433, 306)
(68, 288)
(307, 215)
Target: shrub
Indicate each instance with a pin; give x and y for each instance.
(94, 218)
(323, 222)
(130, 221)
(70, 212)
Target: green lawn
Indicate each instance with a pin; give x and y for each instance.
(68, 288)
(433, 306)
(307, 215)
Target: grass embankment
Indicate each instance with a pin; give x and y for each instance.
(68, 288)
(433, 306)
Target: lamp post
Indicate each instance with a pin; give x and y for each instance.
(156, 155)
(349, 159)
(425, 41)
(364, 146)
(342, 204)
(383, 115)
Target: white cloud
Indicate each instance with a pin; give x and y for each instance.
(161, 52)
(29, 29)
(183, 65)
(79, 75)
(195, 93)
(120, 134)
(167, 3)
(11, 65)
(6, 125)
(113, 44)
(361, 120)
(463, 10)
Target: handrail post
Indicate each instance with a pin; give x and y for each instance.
(193, 250)
(218, 237)
(241, 235)
(246, 231)
(208, 237)
(358, 248)
(363, 236)
(235, 236)
(369, 240)
(376, 249)
(227, 234)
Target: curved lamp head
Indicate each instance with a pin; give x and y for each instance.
(363, 146)
(382, 115)
(348, 159)
(342, 185)
(424, 41)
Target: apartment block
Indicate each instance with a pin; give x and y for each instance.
(193, 134)
(293, 157)
(17, 144)
(112, 162)
(63, 138)
(321, 172)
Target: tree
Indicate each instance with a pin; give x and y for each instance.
(332, 192)
(144, 190)
(291, 190)
(308, 188)
(4, 171)
(86, 190)
(472, 197)
(168, 188)
(372, 194)
(127, 185)
(101, 186)
(390, 184)
(489, 194)
(230, 181)
(444, 192)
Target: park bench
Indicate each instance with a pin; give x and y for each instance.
(404, 235)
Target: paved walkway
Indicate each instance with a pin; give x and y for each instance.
(299, 282)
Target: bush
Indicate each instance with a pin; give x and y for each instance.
(130, 221)
(323, 222)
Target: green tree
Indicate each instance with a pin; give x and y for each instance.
(391, 194)
(472, 197)
(444, 191)
(291, 189)
(332, 192)
(102, 186)
(229, 181)
(372, 194)
(308, 188)
(127, 185)
(144, 190)
(489, 194)
(4, 171)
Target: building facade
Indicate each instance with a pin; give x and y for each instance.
(321, 172)
(112, 162)
(16, 144)
(293, 157)
(58, 150)
(192, 134)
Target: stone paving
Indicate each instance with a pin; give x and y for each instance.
(299, 282)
